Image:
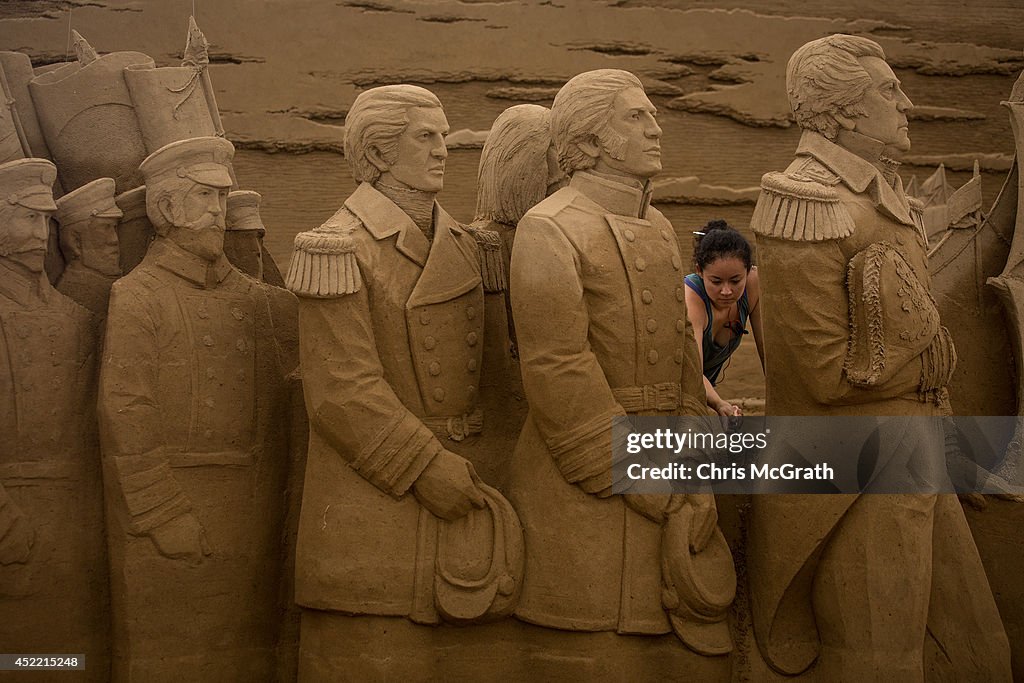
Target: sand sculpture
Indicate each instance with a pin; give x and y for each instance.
(243, 241)
(878, 586)
(518, 168)
(407, 536)
(88, 218)
(620, 565)
(193, 417)
(397, 531)
(53, 579)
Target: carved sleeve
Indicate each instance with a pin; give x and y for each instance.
(350, 403)
(570, 400)
(807, 310)
(131, 419)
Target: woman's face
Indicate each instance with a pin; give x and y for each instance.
(725, 279)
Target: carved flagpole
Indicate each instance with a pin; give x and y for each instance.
(197, 56)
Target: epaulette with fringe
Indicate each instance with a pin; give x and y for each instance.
(916, 212)
(801, 210)
(324, 265)
(492, 263)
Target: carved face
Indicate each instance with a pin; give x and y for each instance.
(198, 221)
(631, 141)
(725, 279)
(421, 152)
(885, 106)
(24, 236)
(99, 246)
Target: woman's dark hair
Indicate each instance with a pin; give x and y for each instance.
(718, 240)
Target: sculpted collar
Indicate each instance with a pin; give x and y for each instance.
(616, 195)
(383, 218)
(188, 266)
(857, 173)
(25, 291)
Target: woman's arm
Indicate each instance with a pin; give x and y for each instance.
(698, 316)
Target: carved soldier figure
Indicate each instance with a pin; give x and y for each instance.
(866, 587)
(391, 326)
(53, 580)
(518, 168)
(243, 241)
(88, 220)
(600, 315)
(194, 421)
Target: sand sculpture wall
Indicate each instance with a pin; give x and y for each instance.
(202, 547)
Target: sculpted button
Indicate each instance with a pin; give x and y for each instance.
(471, 365)
(424, 318)
(237, 314)
(207, 433)
(646, 296)
(652, 325)
(677, 263)
(652, 356)
(640, 263)
(207, 340)
(666, 235)
(680, 294)
(470, 312)
(439, 395)
(471, 338)
(629, 235)
(429, 343)
(435, 368)
(203, 314)
(680, 325)
(679, 356)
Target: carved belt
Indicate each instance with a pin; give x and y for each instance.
(214, 458)
(660, 396)
(23, 473)
(456, 428)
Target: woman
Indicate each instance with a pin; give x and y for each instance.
(721, 297)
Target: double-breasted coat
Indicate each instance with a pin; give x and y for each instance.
(600, 315)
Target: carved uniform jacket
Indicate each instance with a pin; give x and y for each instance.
(391, 341)
(850, 328)
(86, 287)
(193, 417)
(50, 473)
(600, 314)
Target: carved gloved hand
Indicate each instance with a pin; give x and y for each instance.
(182, 538)
(16, 545)
(448, 487)
(704, 520)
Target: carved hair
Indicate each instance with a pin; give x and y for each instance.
(377, 118)
(69, 239)
(824, 79)
(173, 189)
(513, 174)
(581, 112)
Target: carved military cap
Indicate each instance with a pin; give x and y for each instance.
(697, 588)
(244, 211)
(95, 199)
(203, 160)
(28, 183)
